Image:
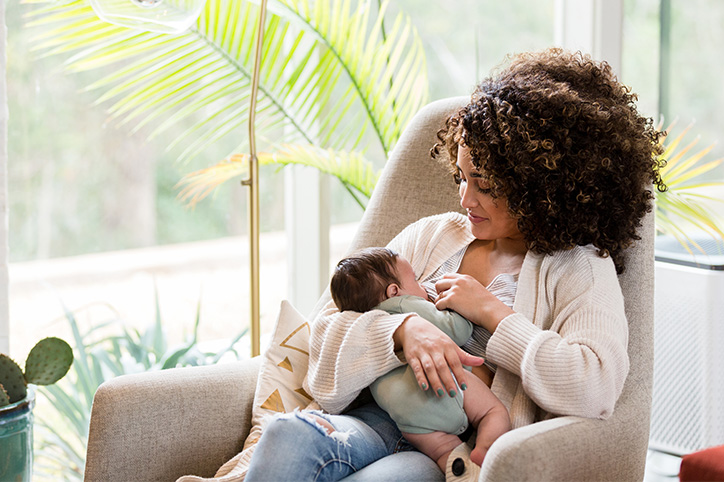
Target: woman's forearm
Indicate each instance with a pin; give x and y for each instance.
(491, 314)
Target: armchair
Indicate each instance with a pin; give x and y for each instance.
(159, 426)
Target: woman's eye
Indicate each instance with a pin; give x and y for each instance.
(458, 178)
(484, 188)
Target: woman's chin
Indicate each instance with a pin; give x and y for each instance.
(480, 232)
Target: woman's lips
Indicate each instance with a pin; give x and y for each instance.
(475, 219)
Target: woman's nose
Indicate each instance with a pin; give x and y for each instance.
(467, 200)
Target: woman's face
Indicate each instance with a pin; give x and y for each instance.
(489, 218)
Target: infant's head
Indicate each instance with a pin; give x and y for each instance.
(362, 281)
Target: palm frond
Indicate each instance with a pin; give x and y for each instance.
(680, 208)
(388, 71)
(684, 205)
(351, 168)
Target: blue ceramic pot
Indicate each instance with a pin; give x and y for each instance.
(16, 439)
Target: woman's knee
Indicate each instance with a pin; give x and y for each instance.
(290, 426)
(320, 421)
(311, 446)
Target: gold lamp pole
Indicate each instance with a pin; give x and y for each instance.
(150, 16)
(253, 183)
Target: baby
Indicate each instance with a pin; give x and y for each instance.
(378, 278)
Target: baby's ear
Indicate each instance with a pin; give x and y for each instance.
(392, 290)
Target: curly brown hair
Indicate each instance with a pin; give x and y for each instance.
(561, 140)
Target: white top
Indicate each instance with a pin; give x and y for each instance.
(562, 353)
(502, 287)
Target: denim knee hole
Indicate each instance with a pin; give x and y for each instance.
(341, 438)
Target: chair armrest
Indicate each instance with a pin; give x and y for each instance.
(565, 449)
(165, 424)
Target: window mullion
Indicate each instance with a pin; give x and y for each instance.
(4, 248)
(592, 26)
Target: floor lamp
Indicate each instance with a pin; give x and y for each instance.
(253, 183)
(176, 17)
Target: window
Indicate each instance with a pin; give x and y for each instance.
(95, 222)
(94, 218)
(670, 57)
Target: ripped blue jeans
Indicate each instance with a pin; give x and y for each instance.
(294, 447)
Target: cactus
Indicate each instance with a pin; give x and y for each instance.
(12, 379)
(48, 361)
(4, 399)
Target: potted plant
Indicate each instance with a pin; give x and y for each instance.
(48, 361)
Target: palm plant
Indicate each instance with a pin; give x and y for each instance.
(333, 77)
(684, 204)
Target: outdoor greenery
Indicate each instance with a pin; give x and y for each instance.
(104, 351)
(79, 183)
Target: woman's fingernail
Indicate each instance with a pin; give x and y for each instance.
(440, 392)
(463, 387)
(424, 386)
(452, 393)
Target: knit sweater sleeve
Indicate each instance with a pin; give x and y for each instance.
(569, 347)
(349, 350)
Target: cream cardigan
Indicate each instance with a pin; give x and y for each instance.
(563, 352)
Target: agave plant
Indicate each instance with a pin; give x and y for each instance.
(63, 435)
(334, 76)
(684, 204)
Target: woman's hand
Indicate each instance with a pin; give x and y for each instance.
(467, 296)
(432, 355)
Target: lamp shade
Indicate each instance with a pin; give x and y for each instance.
(165, 16)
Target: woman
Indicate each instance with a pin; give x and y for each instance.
(554, 166)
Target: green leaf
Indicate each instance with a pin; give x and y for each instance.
(66, 419)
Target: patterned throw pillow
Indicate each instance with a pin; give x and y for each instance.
(278, 389)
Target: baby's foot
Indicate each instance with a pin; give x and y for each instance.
(478, 455)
